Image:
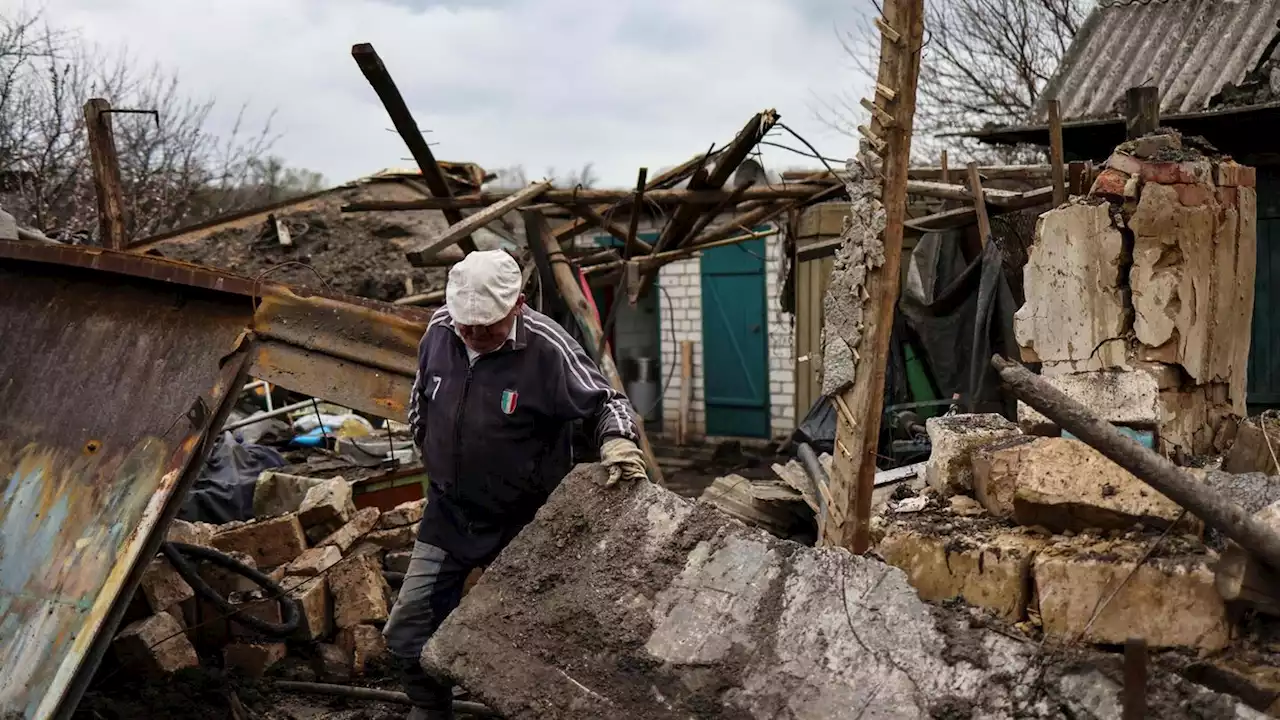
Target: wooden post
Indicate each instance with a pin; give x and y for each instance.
(858, 430)
(566, 279)
(106, 174)
(1142, 111)
(380, 79)
(686, 391)
(1075, 179)
(979, 204)
(1056, 153)
(457, 231)
(1135, 679)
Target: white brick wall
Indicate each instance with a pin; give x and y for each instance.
(683, 312)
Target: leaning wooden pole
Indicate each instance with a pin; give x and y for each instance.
(571, 292)
(858, 423)
(106, 174)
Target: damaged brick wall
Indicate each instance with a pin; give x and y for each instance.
(1152, 273)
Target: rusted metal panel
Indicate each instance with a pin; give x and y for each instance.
(350, 384)
(1190, 49)
(108, 386)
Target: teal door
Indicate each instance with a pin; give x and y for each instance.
(1264, 345)
(735, 340)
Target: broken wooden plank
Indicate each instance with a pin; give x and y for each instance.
(1142, 111)
(637, 204)
(623, 198)
(1057, 169)
(979, 205)
(106, 174)
(380, 79)
(962, 217)
(471, 223)
(854, 465)
(594, 219)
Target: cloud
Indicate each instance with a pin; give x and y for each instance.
(539, 83)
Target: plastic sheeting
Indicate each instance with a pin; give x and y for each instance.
(224, 490)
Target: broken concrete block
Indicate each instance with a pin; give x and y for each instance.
(271, 542)
(1170, 601)
(367, 647)
(1249, 676)
(995, 473)
(954, 439)
(314, 561)
(1251, 451)
(348, 535)
(1121, 397)
(332, 663)
(360, 594)
(1063, 484)
(672, 609)
(181, 531)
(278, 493)
(162, 586)
(373, 550)
(398, 561)
(326, 507)
(987, 565)
(252, 660)
(408, 513)
(397, 538)
(312, 596)
(1075, 300)
(155, 646)
(767, 504)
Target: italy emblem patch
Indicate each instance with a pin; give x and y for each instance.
(509, 398)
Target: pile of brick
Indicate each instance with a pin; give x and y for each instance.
(327, 555)
(1139, 296)
(1043, 532)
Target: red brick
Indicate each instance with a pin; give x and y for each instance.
(1110, 184)
(361, 524)
(1230, 174)
(1171, 173)
(360, 594)
(312, 596)
(156, 646)
(367, 647)
(271, 542)
(163, 587)
(1228, 196)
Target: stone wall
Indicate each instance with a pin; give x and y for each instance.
(1152, 272)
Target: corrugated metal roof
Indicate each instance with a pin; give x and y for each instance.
(1190, 49)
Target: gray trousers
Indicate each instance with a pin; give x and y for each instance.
(432, 589)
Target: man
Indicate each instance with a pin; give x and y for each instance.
(497, 389)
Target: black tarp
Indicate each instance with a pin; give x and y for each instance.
(223, 492)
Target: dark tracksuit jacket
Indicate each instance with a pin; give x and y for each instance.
(494, 435)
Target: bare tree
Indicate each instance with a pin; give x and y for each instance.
(174, 171)
(984, 62)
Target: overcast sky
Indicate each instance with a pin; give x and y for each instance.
(538, 83)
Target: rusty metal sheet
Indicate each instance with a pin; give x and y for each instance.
(108, 384)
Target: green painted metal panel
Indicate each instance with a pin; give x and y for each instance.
(1264, 347)
(735, 340)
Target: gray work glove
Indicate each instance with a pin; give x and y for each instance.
(623, 460)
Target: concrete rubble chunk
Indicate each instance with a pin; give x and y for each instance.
(253, 659)
(271, 542)
(995, 473)
(156, 646)
(314, 561)
(366, 647)
(181, 531)
(280, 493)
(396, 538)
(1063, 484)
(1169, 602)
(348, 535)
(312, 596)
(1120, 398)
(326, 507)
(1075, 298)
(954, 439)
(1250, 451)
(669, 609)
(162, 586)
(332, 663)
(360, 594)
(408, 513)
(987, 565)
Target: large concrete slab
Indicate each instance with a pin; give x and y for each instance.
(633, 602)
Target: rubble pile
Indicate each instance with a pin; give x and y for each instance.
(331, 559)
(1045, 533)
(1139, 296)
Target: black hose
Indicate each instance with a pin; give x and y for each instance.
(290, 616)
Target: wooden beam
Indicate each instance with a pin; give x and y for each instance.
(965, 216)
(422, 255)
(1056, 159)
(854, 466)
(633, 228)
(566, 279)
(380, 79)
(664, 180)
(1142, 111)
(594, 219)
(657, 260)
(106, 174)
(979, 204)
(622, 198)
(763, 214)
(534, 222)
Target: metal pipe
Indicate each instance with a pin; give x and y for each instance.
(390, 696)
(266, 416)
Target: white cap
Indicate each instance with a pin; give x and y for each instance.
(483, 287)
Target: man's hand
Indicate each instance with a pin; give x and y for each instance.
(623, 460)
